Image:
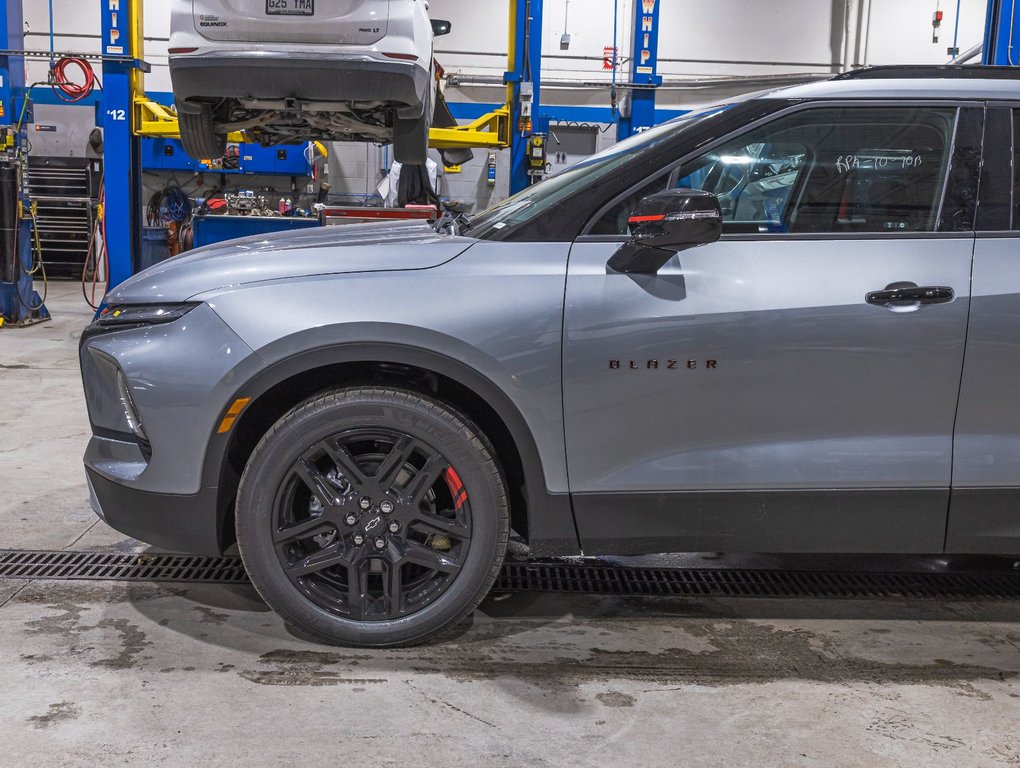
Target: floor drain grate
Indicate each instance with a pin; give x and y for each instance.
(96, 566)
(534, 576)
(704, 582)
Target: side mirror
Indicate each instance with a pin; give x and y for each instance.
(441, 27)
(665, 224)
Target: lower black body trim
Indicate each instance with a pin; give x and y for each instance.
(176, 523)
(551, 531)
(984, 521)
(850, 521)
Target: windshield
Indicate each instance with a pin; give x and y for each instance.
(532, 201)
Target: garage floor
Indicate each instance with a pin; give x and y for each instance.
(95, 673)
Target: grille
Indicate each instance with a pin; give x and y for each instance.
(552, 576)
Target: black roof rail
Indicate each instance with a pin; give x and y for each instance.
(932, 72)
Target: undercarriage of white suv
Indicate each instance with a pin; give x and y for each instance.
(287, 121)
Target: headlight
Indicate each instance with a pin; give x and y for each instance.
(142, 314)
(116, 318)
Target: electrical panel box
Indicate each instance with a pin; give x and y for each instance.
(241, 159)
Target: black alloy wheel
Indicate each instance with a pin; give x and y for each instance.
(372, 517)
(372, 524)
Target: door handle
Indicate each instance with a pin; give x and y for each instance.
(906, 296)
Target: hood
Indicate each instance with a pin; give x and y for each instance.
(318, 251)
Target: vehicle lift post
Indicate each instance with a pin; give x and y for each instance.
(524, 74)
(1002, 34)
(644, 77)
(19, 303)
(122, 79)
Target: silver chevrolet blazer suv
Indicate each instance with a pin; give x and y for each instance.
(788, 323)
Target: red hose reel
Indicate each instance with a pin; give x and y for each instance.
(70, 91)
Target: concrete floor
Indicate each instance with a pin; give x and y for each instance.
(121, 674)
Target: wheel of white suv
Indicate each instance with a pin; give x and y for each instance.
(198, 131)
(372, 517)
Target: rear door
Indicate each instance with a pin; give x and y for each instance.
(335, 22)
(750, 397)
(985, 509)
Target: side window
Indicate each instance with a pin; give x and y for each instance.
(827, 170)
(997, 172)
(753, 180)
(614, 221)
(1016, 169)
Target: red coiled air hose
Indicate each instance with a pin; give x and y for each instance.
(68, 90)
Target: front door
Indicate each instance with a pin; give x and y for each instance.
(770, 392)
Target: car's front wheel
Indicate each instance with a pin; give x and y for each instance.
(372, 517)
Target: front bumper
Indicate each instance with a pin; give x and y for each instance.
(178, 523)
(182, 377)
(251, 75)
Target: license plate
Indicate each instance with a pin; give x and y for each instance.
(290, 7)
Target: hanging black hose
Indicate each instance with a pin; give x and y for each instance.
(10, 269)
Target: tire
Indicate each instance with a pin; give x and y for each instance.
(198, 131)
(413, 478)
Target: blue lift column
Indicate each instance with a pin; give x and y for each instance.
(12, 68)
(525, 72)
(122, 157)
(1002, 34)
(643, 70)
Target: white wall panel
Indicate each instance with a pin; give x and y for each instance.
(901, 31)
(787, 34)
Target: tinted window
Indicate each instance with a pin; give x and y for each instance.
(1016, 169)
(995, 195)
(533, 201)
(614, 221)
(960, 204)
(854, 169)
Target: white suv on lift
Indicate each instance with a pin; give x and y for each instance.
(287, 71)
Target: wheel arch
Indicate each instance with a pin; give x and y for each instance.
(545, 519)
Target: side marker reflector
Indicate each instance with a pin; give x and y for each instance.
(232, 413)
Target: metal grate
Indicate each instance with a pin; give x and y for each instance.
(19, 564)
(552, 576)
(701, 582)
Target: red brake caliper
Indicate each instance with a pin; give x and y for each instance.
(456, 487)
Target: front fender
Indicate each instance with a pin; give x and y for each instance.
(550, 516)
(491, 320)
